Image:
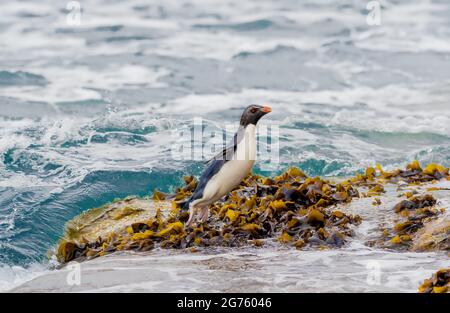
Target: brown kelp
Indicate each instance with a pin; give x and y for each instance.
(420, 225)
(438, 283)
(413, 174)
(291, 209)
(415, 213)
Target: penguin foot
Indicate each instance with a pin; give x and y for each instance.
(204, 214)
(193, 212)
(196, 213)
(191, 217)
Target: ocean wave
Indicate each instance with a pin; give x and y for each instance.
(13, 276)
(244, 26)
(348, 127)
(27, 211)
(20, 78)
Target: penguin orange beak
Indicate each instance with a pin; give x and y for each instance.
(266, 109)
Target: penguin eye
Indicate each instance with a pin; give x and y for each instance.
(253, 110)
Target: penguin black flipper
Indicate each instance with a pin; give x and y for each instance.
(214, 167)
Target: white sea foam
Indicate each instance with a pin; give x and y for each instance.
(395, 108)
(262, 270)
(13, 276)
(223, 46)
(63, 87)
(392, 109)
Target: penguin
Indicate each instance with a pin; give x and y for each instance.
(227, 169)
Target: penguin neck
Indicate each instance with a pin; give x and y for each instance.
(246, 145)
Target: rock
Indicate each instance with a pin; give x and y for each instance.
(298, 210)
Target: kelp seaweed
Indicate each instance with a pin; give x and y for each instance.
(293, 209)
(438, 283)
(415, 213)
(413, 174)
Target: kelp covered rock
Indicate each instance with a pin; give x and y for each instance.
(434, 235)
(290, 209)
(438, 283)
(413, 174)
(98, 231)
(421, 226)
(413, 203)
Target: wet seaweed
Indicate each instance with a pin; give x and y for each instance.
(414, 214)
(438, 283)
(292, 209)
(375, 177)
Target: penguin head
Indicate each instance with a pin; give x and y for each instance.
(253, 113)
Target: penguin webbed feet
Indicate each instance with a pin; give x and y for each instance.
(199, 214)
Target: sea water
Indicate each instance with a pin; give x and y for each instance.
(91, 101)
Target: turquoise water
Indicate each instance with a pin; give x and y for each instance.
(89, 113)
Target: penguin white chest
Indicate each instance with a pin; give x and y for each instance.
(234, 171)
(246, 148)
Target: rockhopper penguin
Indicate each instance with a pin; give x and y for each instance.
(228, 168)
